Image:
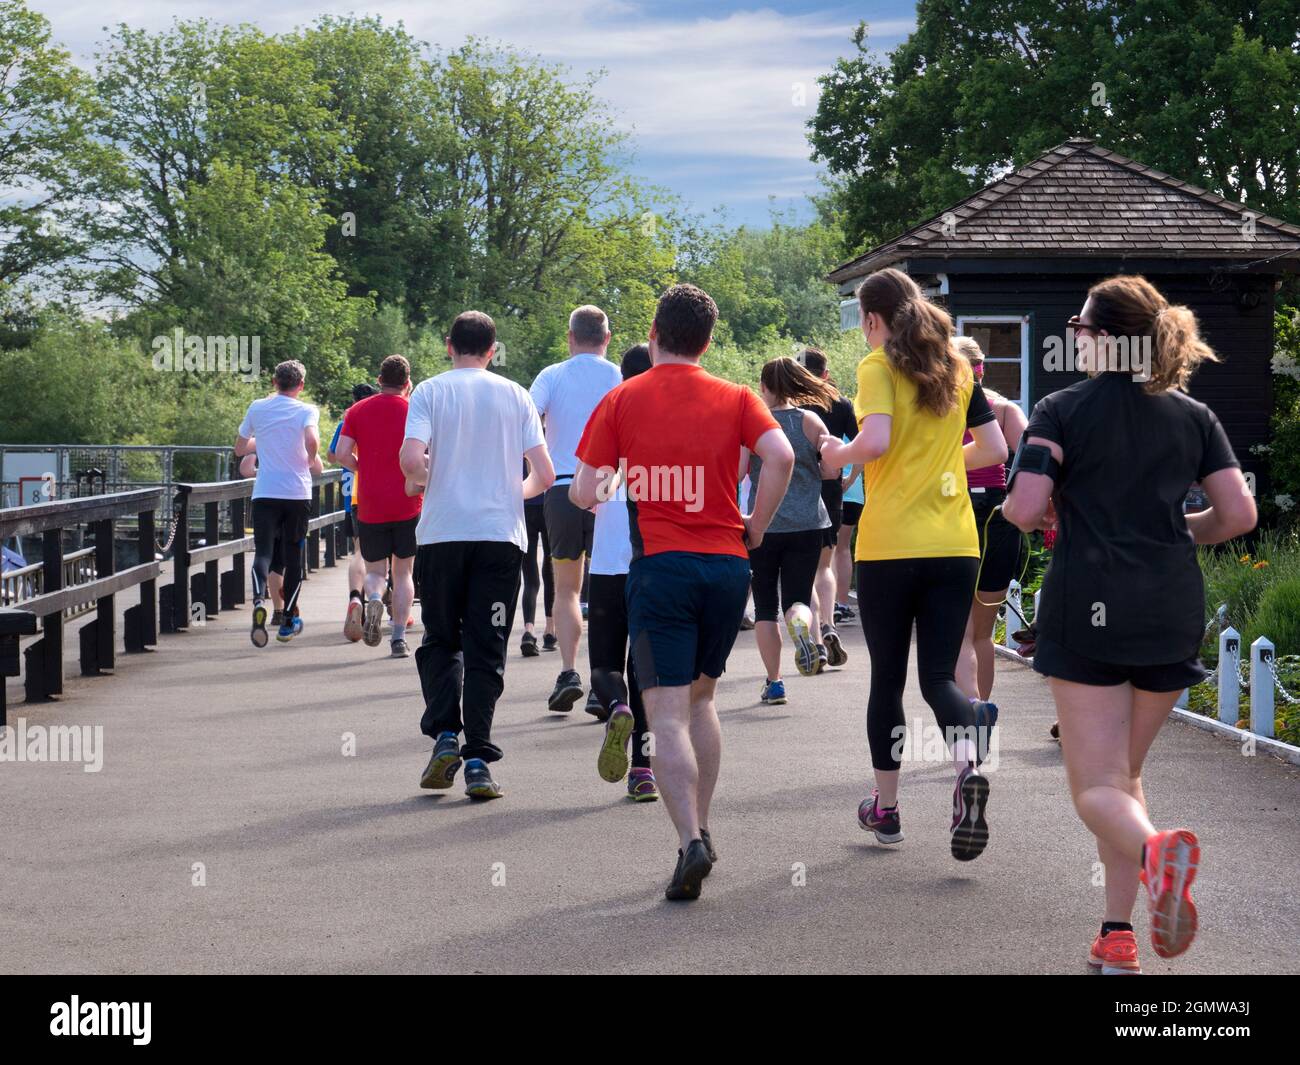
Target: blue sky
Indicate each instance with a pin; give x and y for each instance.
(709, 91)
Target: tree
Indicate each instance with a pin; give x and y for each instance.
(46, 148)
(1208, 90)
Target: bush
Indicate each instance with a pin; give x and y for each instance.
(1277, 617)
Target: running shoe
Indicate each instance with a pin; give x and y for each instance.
(886, 824)
(258, 635)
(549, 642)
(388, 600)
(708, 845)
(1115, 954)
(805, 647)
(746, 622)
(289, 629)
(596, 708)
(478, 781)
(373, 630)
(568, 690)
(641, 785)
(835, 653)
(528, 646)
(583, 608)
(611, 764)
(1168, 870)
(443, 763)
(844, 613)
(970, 799)
(277, 619)
(823, 658)
(400, 649)
(692, 867)
(773, 693)
(352, 623)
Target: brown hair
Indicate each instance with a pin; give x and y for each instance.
(814, 360)
(394, 372)
(920, 344)
(790, 382)
(684, 320)
(472, 333)
(589, 326)
(289, 375)
(1128, 305)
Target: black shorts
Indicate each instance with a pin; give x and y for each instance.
(279, 520)
(1053, 660)
(568, 528)
(683, 614)
(852, 514)
(833, 497)
(784, 567)
(1002, 549)
(349, 524)
(384, 538)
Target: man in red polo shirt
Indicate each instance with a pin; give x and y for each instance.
(369, 445)
(675, 433)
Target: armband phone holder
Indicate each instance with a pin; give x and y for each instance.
(1034, 458)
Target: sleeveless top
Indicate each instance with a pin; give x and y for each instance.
(802, 508)
(994, 476)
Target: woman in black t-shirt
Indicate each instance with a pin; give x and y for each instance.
(1122, 609)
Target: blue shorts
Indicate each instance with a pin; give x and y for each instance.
(683, 613)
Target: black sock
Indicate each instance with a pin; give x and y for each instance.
(1115, 926)
(354, 594)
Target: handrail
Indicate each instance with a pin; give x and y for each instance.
(64, 513)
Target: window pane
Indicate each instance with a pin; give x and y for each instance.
(998, 340)
(1003, 378)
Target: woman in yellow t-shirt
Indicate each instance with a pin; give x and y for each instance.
(918, 550)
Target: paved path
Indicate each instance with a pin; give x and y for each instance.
(219, 754)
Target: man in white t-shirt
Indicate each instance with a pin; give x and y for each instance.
(283, 431)
(466, 433)
(565, 394)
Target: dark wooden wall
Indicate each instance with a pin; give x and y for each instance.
(1239, 389)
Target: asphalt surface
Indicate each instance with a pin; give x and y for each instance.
(229, 830)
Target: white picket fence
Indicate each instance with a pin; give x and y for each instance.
(1262, 680)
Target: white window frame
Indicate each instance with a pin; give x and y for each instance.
(1005, 319)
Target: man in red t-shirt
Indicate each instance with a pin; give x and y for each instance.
(386, 516)
(675, 433)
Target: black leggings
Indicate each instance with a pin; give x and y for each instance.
(279, 529)
(535, 522)
(607, 650)
(935, 593)
(786, 561)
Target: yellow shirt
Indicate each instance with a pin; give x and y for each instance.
(917, 505)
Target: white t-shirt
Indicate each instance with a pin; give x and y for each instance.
(611, 543)
(566, 393)
(277, 424)
(477, 426)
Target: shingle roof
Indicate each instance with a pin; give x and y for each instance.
(1079, 200)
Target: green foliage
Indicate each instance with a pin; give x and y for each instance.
(1277, 617)
(1239, 576)
(1282, 505)
(1201, 88)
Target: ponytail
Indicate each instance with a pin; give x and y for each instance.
(920, 343)
(791, 383)
(1131, 307)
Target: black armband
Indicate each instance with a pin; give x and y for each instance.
(1034, 458)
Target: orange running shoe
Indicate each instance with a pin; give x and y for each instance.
(1168, 872)
(1115, 954)
(352, 624)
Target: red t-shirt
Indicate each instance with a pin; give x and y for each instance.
(677, 431)
(378, 425)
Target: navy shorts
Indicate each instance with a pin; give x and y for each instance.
(683, 613)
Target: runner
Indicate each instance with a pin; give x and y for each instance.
(853, 500)
(565, 394)
(536, 578)
(917, 549)
(352, 627)
(1001, 545)
(840, 422)
(283, 431)
(467, 433)
(620, 699)
(784, 565)
(275, 576)
(677, 432)
(1113, 456)
(371, 440)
